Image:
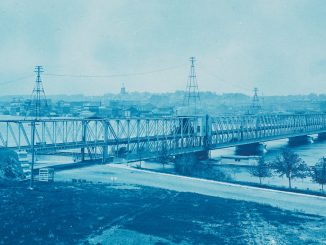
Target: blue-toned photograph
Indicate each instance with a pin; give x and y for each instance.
(162, 122)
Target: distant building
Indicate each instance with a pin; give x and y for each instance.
(131, 112)
(123, 90)
(322, 106)
(104, 111)
(163, 111)
(16, 107)
(62, 108)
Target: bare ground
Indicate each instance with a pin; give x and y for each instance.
(66, 213)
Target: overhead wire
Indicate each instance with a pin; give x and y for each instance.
(114, 75)
(15, 80)
(207, 71)
(234, 86)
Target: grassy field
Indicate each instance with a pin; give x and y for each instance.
(75, 213)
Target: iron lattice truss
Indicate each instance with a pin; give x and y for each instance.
(239, 130)
(105, 136)
(146, 137)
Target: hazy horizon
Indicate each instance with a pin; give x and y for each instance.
(161, 93)
(93, 47)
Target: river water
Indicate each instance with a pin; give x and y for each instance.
(309, 152)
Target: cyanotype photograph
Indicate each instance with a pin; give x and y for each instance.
(162, 122)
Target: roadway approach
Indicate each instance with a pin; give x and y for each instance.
(124, 175)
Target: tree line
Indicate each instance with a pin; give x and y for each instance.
(290, 165)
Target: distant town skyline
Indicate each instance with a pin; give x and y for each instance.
(93, 47)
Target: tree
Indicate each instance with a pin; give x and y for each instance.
(261, 170)
(164, 157)
(319, 172)
(290, 165)
(10, 167)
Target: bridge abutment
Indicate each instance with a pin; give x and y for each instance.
(193, 156)
(250, 149)
(202, 155)
(185, 163)
(300, 140)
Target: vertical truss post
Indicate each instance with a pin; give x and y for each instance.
(33, 124)
(208, 132)
(105, 147)
(19, 130)
(84, 136)
(138, 135)
(128, 135)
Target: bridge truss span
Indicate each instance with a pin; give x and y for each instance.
(237, 130)
(116, 136)
(144, 137)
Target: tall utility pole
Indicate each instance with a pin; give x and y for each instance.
(38, 95)
(36, 111)
(191, 97)
(255, 105)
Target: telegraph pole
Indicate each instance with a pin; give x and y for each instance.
(191, 97)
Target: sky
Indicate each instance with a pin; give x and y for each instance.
(93, 47)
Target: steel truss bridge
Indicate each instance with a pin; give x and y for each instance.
(151, 137)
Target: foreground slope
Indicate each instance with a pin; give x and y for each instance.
(84, 213)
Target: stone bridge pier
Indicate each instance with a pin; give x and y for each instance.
(193, 157)
(251, 149)
(300, 140)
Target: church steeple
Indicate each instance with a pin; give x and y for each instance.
(123, 90)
